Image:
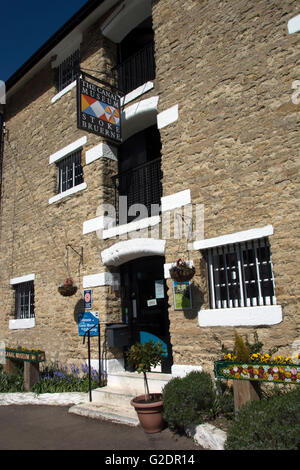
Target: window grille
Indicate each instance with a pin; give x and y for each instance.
(241, 275)
(70, 172)
(25, 300)
(68, 70)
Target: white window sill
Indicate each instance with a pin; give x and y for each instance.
(131, 227)
(132, 95)
(69, 192)
(64, 91)
(22, 324)
(243, 316)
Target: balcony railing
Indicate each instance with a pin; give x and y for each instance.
(141, 185)
(137, 69)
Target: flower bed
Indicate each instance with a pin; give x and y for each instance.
(259, 371)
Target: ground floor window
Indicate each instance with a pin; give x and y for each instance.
(24, 300)
(241, 275)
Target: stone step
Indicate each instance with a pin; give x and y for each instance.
(110, 396)
(113, 413)
(132, 383)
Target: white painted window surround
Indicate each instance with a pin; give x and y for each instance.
(236, 237)
(22, 324)
(101, 279)
(167, 117)
(62, 153)
(69, 192)
(64, 91)
(131, 227)
(238, 316)
(136, 93)
(294, 24)
(21, 279)
(101, 150)
(243, 316)
(98, 223)
(174, 201)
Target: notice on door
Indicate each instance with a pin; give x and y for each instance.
(159, 289)
(182, 295)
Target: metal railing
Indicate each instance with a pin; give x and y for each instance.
(137, 69)
(141, 185)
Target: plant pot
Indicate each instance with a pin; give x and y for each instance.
(182, 273)
(149, 412)
(67, 291)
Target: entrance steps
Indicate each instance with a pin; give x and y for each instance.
(112, 402)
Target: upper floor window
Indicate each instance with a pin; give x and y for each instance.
(241, 275)
(136, 64)
(140, 174)
(24, 300)
(70, 172)
(68, 70)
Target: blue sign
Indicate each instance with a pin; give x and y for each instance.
(87, 298)
(86, 321)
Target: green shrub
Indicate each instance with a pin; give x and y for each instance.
(10, 383)
(188, 400)
(269, 424)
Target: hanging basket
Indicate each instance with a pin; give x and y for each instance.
(67, 289)
(182, 272)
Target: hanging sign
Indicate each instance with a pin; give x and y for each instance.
(98, 110)
(182, 295)
(87, 320)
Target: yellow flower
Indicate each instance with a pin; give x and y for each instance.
(275, 376)
(288, 359)
(255, 371)
(288, 375)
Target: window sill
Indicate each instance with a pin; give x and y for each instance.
(63, 91)
(21, 324)
(131, 227)
(69, 192)
(243, 316)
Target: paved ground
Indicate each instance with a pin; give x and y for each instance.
(53, 428)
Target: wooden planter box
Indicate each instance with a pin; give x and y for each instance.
(258, 371)
(26, 356)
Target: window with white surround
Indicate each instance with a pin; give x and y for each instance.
(24, 298)
(241, 275)
(70, 172)
(68, 70)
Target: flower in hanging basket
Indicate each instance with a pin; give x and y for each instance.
(68, 288)
(182, 271)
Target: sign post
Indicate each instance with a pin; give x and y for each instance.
(89, 325)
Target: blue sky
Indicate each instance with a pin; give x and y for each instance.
(27, 25)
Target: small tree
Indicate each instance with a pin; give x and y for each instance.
(144, 356)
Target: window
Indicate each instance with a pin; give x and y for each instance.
(241, 275)
(70, 172)
(24, 300)
(68, 70)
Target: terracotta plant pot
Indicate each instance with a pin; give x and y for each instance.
(149, 412)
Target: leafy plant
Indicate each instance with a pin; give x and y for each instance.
(144, 356)
(189, 400)
(269, 424)
(11, 383)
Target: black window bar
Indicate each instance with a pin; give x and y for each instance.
(68, 70)
(24, 300)
(141, 185)
(70, 172)
(137, 69)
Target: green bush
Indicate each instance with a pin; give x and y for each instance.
(188, 400)
(269, 424)
(11, 383)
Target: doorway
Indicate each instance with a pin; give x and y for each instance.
(145, 303)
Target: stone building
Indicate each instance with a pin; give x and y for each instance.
(209, 116)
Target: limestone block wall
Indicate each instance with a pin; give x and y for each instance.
(230, 67)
